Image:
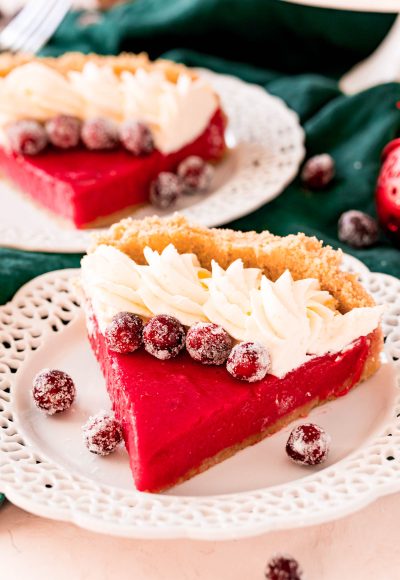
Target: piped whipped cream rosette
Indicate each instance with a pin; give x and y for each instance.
(294, 320)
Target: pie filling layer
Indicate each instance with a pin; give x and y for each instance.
(82, 186)
(178, 416)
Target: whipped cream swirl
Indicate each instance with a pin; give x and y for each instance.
(228, 302)
(111, 280)
(294, 320)
(100, 91)
(37, 91)
(177, 113)
(171, 283)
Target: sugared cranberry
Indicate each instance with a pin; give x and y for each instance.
(308, 444)
(357, 229)
(124, 333)
(27, 137)
(318, 171)
(165, 190)
(163, 336)
(208, 343)
(283, 568)
(64, 131)
(195, 173)
(136, 137)
(53, 391)
(102, 433)
(99, 133)
(249, 361)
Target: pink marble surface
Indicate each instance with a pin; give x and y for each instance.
(363, 546)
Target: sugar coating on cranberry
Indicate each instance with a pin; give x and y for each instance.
(163, 336)
(308, 444)
(196, 174)
(124, 333)
(249, 361)
(53, 391)
(283, 568)
(208, 343)
(64, 131)
(99, 133)
(357, 229)
(27, 137)
(136, 137)
(318, 171)
(102, 433)
(165, 190)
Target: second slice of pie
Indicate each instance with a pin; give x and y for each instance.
(84, 136)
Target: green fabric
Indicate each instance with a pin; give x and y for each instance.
(269, 33)
(266, 36)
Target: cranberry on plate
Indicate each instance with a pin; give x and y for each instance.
(27, 137)
(249, 361)
(208, 343)
(308, 444)
(53, 391)
(196, 174)
(124, 333)
(163, 336)
(102, 433)
(165, 190)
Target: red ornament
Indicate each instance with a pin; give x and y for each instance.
(388, 191)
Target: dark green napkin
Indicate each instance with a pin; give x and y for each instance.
(267, 36)
(269, 33)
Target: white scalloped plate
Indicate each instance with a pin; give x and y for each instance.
(45, 469)
(266, 149)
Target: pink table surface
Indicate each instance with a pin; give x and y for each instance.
(363, 546)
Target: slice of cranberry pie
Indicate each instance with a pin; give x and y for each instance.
(85, 136)
(210, 340)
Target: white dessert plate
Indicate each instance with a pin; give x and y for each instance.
(266, 148)
(45, 468)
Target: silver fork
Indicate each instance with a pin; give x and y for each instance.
(33, 26)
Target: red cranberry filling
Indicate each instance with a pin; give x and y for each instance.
(64, 131)
(136, 137)
(27, 137)
(208, 343)
(249, 361)
(99, 133)
(102, 433)
(124, 333)
(53, 391)
(163, 336)
(308, 444)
